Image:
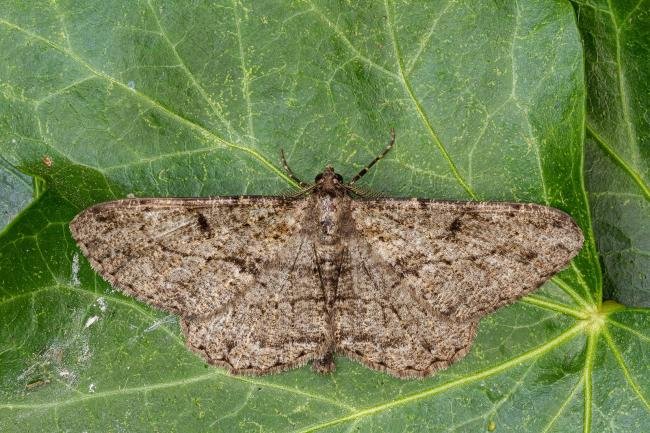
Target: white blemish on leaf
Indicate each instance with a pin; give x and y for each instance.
(27, 372)
(91, 388)
(131, 85)
(67, 375)
(85, 354)
(74, 278)
(48, 364)
(158, 323)
(101, 303)
(91, 320)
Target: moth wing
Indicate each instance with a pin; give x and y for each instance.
(466, 259)
(280, 322)
(387, 326)
(187, 256)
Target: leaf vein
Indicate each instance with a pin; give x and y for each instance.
(553, 306)
(181, 63)
(587, 373)
(628, 329)
(621, 362)
(563, 406)
(424, 42)
(245, 82)
(418, 107)
(636, 177)
(177, 117)
(339, 33)
(531, 354)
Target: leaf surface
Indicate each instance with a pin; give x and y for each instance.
(617, 146)
(15, 192)
(157, 99)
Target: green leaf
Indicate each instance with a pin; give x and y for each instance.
(616, 36)
(487, 100)
(15, 191)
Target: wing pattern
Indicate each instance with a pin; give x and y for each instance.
(215, 262)
(388, 327)
(466, 259)
(420, 274)
(410, 281)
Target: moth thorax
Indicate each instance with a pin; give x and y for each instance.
(330, 183)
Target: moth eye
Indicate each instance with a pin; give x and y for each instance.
(318, 177)
(339, 177)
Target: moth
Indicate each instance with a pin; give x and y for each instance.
(263, 283)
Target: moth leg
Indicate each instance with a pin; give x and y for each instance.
(324, 364)
(287, 169)
(374, 161)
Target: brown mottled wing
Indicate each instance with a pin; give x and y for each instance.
(465, 259)
(387, 326)
(420, 274)
(279, 323)
(227, 265)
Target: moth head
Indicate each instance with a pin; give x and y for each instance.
(329, 182)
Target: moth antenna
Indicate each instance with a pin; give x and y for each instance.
(365, 169)
(289, 172)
